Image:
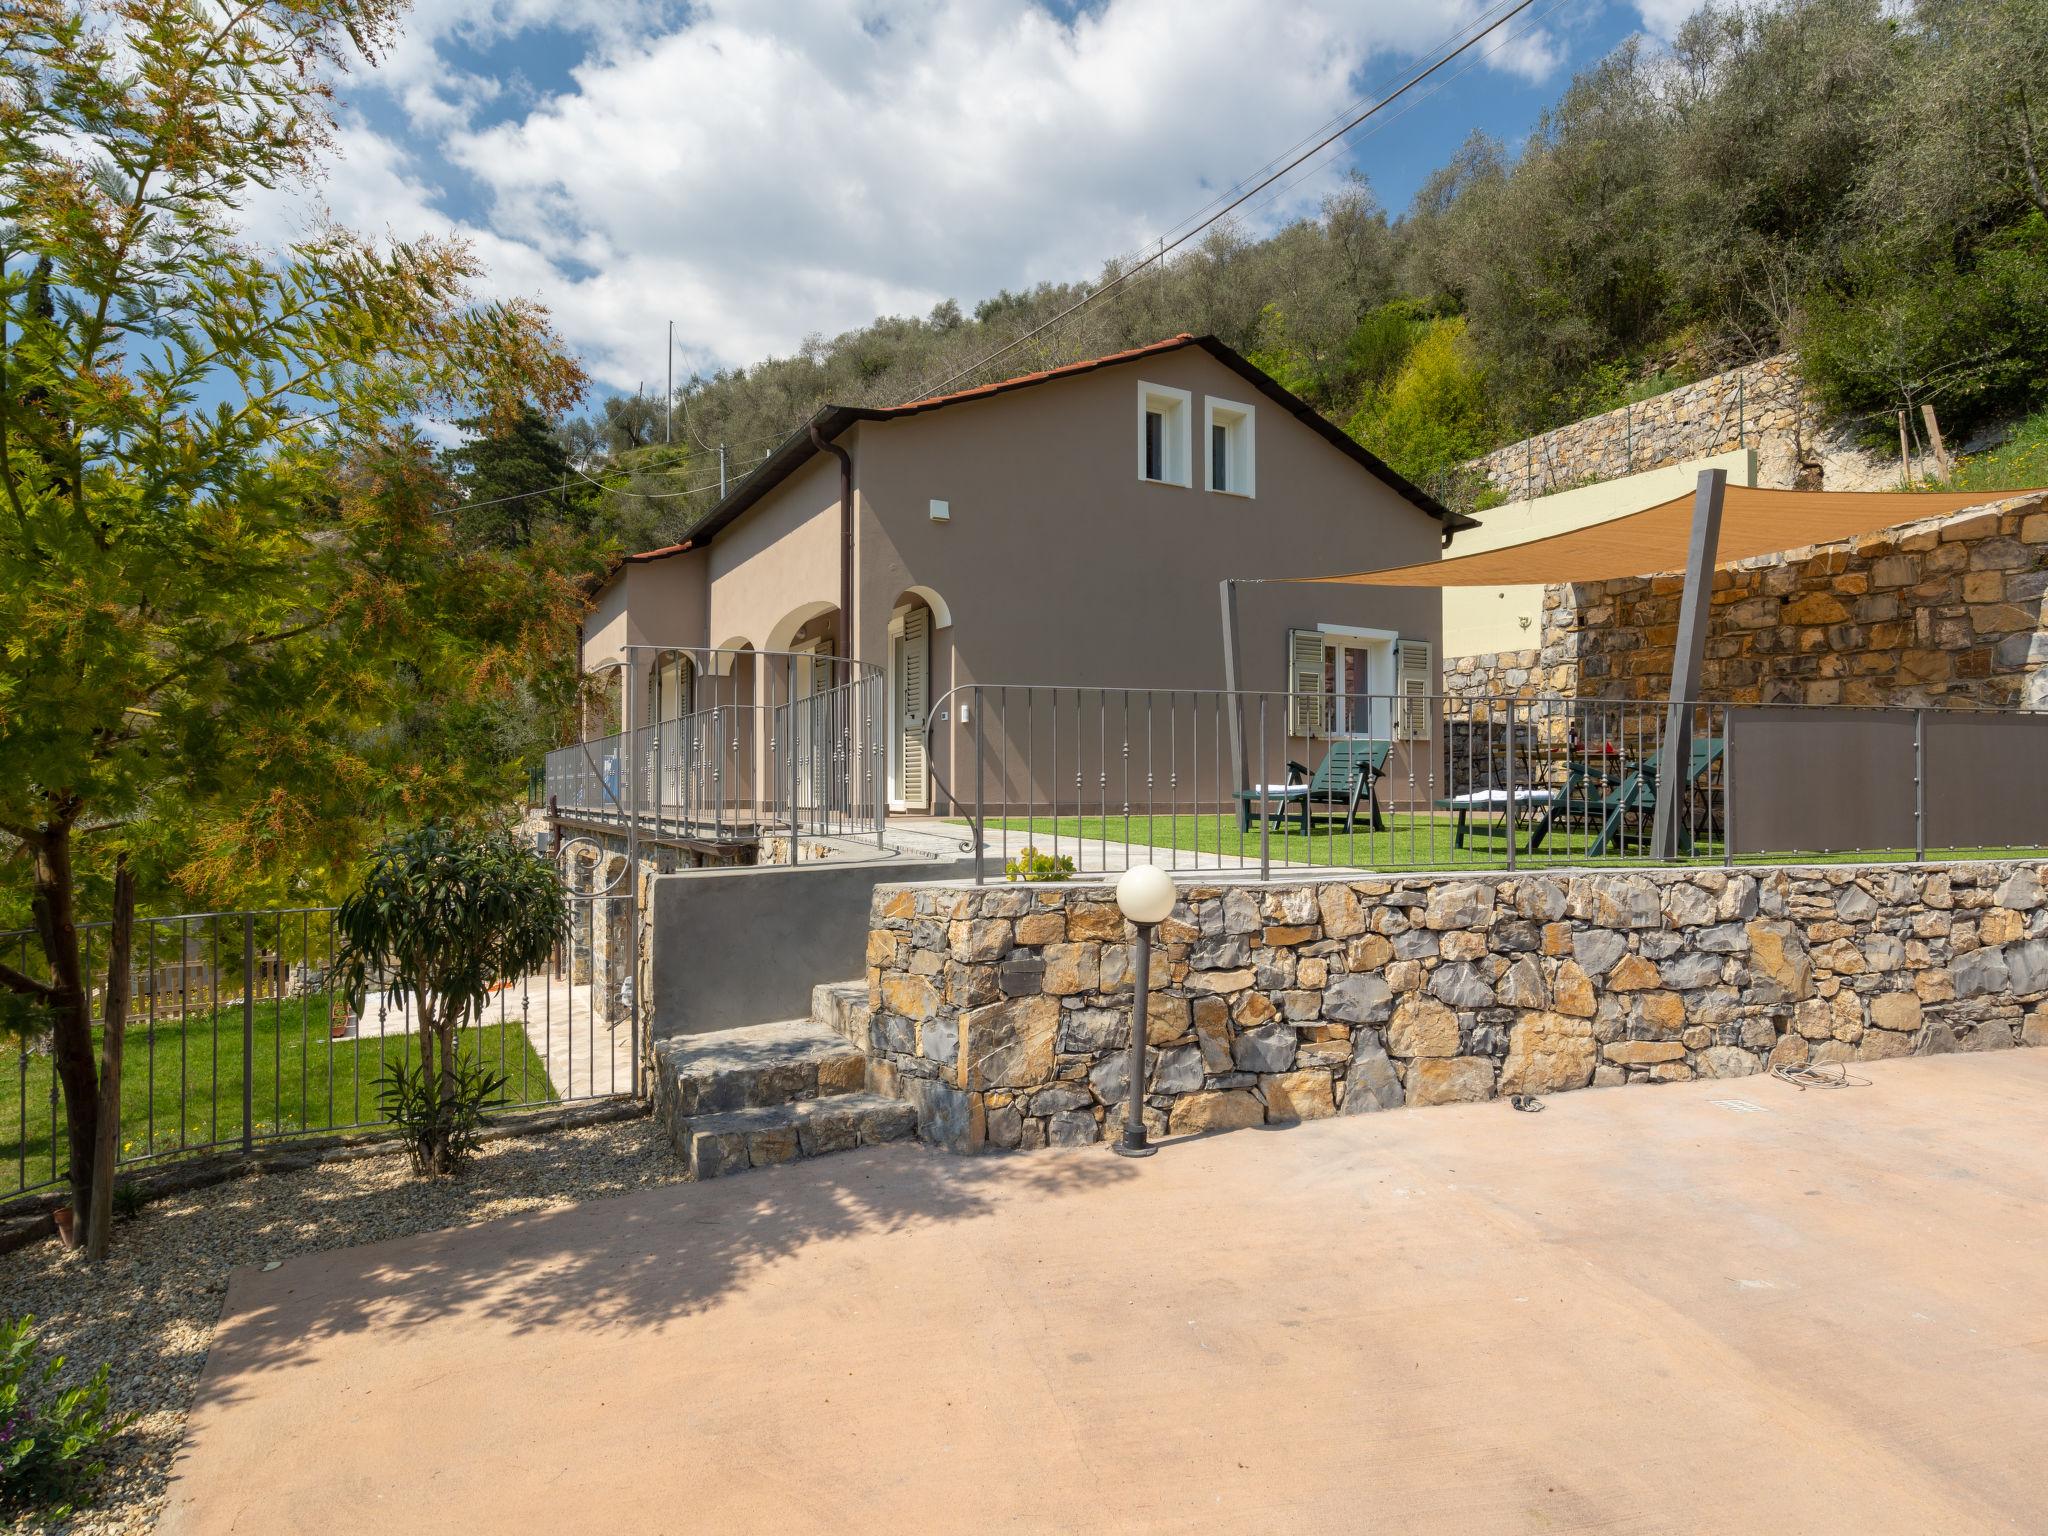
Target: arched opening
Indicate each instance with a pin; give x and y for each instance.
(913, 618)
(603, 703)
(810, 627)
(671, 686)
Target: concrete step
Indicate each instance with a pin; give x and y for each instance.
(714, 1145)
(752, 1068)
(842, 1006)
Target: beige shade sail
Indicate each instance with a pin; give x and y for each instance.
(1646, 543)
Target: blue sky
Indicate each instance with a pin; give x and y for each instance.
(763, 170)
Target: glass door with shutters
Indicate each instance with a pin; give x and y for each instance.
(1358, 683)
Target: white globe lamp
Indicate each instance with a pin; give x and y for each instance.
(1145, 893)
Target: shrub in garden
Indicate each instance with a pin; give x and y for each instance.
(52, 1438)
(1030, 864)
(442, 914)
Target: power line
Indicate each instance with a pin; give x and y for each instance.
(1340, 115)
(1166, 246)
(1177, 235)
(1547, 10)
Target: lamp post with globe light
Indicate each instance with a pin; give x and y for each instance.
(1146, 894)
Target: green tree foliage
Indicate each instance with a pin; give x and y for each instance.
(517, 479)
(240, 635)
(1430, 414)
(53, 1435)
(1679, 210)
(441, 915)
(1968, 335)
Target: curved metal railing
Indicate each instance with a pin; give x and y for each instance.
(726, 745)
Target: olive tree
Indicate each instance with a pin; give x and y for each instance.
(441, 915)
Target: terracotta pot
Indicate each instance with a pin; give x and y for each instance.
(66, 1230)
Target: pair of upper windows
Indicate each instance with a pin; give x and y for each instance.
(1165, 452)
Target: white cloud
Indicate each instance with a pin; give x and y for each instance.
(1663, 18)
(763, 169)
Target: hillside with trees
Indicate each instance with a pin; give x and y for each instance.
(1859, 180)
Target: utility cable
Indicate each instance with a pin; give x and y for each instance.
(1166, 247)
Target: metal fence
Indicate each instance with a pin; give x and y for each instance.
(235, 1036)
(1095, 779)
(739, 744)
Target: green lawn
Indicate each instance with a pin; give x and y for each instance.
(181, 1083)
(1411, 841)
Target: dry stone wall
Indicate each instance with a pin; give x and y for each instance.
(1760, 406)
(1003, 1013)
(1945, 611)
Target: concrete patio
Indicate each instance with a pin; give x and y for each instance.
(1714, 1306)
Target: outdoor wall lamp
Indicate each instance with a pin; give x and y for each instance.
(1146, 894)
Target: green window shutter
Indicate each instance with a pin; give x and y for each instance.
(1414, 682)
(1308, 707)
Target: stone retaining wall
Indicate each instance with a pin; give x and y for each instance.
(1945, 611)
(1003, 1012)
(1761, 406)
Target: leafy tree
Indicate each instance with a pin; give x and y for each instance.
(631, 421)
(516, 478)
(230, 623)
(1430, 417)
(439, 918)
(1969, 336)
(1963, 144)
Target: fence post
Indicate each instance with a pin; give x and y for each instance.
(1727, 787)
(248, 1031)
(878, 760)
(1265, 813)
(789, 748)
(1919, 785)
(980, 807)
(1513, 815)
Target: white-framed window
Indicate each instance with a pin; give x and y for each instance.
(1345, 681)
(1164, 426)
(1227, 433)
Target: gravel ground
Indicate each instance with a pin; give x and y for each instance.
(151, 1308)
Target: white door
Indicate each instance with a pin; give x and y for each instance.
(912, 654)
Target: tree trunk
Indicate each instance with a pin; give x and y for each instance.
(444, 1038)
(99, 1230)
(431, 1078)
(54, 904)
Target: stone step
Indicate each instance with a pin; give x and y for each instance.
(714, 1145)
(755, 1067)
(842, 1006)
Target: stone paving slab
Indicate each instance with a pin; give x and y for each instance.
(1712, 1306)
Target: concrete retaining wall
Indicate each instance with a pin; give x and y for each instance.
(732, 947)
(1003, 1012)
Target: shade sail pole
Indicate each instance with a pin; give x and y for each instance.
(1229, 590)
(1688, 660)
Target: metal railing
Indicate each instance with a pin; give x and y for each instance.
(1096, 779)
(235, 1037)
(744, 744)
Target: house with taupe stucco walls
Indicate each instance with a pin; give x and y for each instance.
(1066, 528)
